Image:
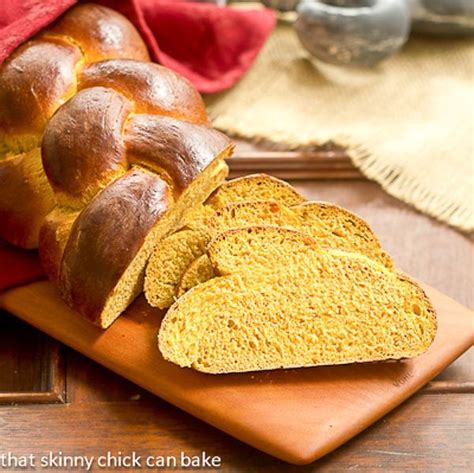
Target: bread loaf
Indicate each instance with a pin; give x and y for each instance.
(156, 162)
(172, 270)
(283, 302)
(35, 80)
(126, 154)
(176, 253)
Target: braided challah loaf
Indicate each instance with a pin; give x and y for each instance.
(127, 157)
(37, 78)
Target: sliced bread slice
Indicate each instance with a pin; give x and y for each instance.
(335, 227)
(176, 253)
(330, 225)
(284, 302)
(254, 187)
(172, 257)
(199, 271)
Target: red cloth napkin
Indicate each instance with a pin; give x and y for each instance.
(212, 46)
(18, 266)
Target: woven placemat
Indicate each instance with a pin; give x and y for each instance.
(408, 123)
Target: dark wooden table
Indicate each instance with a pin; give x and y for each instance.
(55, 399)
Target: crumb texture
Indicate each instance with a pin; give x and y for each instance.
(331, 227)
(252, 200)
(175, 254)
(335, 227)
(285, 302)
(199, 271)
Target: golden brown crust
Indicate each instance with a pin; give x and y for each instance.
(23, 207)
(101, 33)
(116, 154)
(107, 236)
(41, 74)
(114, 235)
(177, 150)
(83, 148)
(34, 81)
(83, 156)
(53, 238)
(152, 88)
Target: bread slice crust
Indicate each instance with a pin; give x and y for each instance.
(254, 187)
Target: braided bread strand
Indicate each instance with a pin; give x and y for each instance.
(35, 80)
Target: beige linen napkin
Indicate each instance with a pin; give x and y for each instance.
(408, 123)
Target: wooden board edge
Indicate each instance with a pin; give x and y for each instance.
(50, 397)
(52, 393)
(297, 165)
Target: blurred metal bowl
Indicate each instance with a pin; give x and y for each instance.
(281, 5)
(443, 17)
(353, 32)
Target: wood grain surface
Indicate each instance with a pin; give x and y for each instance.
(431, 432)
(273, 411)
(31, 365)
(416, 437)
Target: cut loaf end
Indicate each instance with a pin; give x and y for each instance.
(131, 283)
(148, 214)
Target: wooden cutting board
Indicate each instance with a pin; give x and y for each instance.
(296, 415)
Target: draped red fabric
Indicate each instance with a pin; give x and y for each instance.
(212, 46)
(18, 266)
